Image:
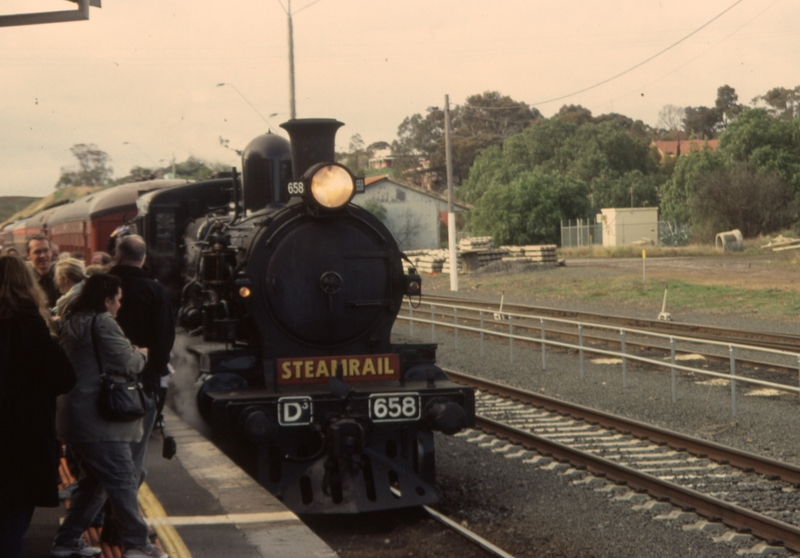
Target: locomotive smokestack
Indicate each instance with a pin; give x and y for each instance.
(312, 142)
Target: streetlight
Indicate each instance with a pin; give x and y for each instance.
(140, 151)
(288, 10)
(251, 104)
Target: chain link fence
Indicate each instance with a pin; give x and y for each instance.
(588, 232)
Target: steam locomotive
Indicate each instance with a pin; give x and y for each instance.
(290, 292)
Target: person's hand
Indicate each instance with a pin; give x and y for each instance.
(142, 350)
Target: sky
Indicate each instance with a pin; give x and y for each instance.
(139, 78)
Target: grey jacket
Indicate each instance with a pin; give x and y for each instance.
(78, 419)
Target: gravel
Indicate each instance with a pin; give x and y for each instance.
(539, 513)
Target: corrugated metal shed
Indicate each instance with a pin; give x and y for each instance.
(412, 214)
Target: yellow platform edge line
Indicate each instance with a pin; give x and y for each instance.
(167, 534)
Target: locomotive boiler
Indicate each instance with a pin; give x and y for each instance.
(291, 291)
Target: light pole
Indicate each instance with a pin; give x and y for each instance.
(288, 10)
(451, 215)
(251, 104)
(292, 110)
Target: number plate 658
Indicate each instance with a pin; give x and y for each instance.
(386, 407)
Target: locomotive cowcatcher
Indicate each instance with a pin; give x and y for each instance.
(291, 293)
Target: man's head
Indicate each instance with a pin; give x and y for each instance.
(39, 253)
(101, 258)
(131, 250)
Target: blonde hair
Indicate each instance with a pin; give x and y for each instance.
(71, 269)
(18, 285)
(94, 269)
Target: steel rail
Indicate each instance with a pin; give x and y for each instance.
(654, 334)
(727, 335)
(732, 515)
(682, 442)
(605, 340)
(467, 534)
(626, 356)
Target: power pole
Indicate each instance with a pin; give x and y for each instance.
(451, 216)
(292, 112)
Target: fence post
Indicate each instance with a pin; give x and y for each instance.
(580, 349)
(733, 381)
(674, 374)
(624, 360)
(433, 325)
(544, 347)
(410, 319)
(511, 338)
(481, 313)
(455, 326)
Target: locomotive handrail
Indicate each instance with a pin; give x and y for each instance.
(497, 318)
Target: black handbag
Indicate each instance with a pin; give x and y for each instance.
(119, 401)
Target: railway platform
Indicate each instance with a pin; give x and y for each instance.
(201, 505)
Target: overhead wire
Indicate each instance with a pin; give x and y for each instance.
(745, 24)
(642, 63)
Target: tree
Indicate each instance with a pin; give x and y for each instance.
(765, 143)
(701, 122)
(484, 120)
(726, 104)
(739, 197)
(356, 158)
(603, 161)
(493, 115)
(632, 189)
(378, 146)
(574, 114)
(138, 174)
(676, 192)
(93, 168)
(670, 117)
(783, 103)
(192, 168)
(530, 209)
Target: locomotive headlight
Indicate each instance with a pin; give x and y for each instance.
(332, 185)
(244, 292)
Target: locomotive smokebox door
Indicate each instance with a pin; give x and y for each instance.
(328, 281)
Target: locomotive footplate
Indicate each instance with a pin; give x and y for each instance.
(322, 449)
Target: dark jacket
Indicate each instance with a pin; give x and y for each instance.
(48, 284)
(33, 371)
(146, 319)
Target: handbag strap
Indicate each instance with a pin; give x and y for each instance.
(94, 345)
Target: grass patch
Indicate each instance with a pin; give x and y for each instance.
(751, 246)
(620, 289)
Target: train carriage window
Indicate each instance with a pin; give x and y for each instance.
(165, 232)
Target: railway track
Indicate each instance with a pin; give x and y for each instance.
(527, 320)
(471, 536)
(783, 342)
(744, 491)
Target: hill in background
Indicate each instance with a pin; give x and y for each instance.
(9, 205)
(11, 210)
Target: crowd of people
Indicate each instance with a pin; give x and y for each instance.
(63, 323)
